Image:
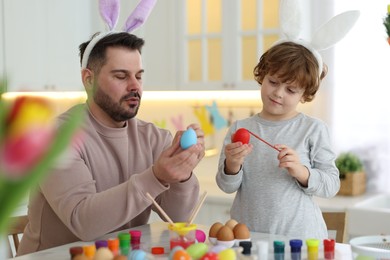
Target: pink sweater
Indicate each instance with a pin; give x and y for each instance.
(102, 186)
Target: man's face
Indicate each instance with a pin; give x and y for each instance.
(117, 89)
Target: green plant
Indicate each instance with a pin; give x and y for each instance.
(386, 23)
(348, 163)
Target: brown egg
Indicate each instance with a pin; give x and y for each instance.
(214, 229)
(225, 233)
(241, 231)
(231, 223)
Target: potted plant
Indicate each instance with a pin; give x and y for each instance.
(352, 175)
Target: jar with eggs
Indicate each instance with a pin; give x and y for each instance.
(181, 234)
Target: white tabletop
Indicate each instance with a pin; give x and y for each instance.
(156, 234)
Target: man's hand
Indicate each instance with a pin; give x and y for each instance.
(175, 164)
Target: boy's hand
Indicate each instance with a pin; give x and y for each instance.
(235, 154)
(289, 159)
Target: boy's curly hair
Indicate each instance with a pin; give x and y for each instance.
(291, 62)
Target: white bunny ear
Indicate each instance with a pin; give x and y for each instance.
(139, 15)
(334, 30)
(109, 11)
(290, 18)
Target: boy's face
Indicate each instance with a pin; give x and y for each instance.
(280, 99)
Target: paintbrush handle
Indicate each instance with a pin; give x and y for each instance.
(160, 209)
(197, 208)
(264, 141)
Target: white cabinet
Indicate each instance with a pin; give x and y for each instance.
(161, 48)
(41, 40)
(220, 41)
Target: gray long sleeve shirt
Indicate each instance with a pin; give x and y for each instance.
(268, 199)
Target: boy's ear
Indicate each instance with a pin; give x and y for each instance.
(87, 77)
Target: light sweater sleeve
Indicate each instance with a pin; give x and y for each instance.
(324, 178)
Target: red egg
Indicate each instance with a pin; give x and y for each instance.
(210, 256)
(241, 135)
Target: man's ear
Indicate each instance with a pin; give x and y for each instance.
(87, 76)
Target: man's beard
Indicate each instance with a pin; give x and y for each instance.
(114, 109)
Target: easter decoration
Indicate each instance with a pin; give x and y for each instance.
(218, 120)
(109, 11)
(323, 38)
(204, 120)
(188, 138)
(229, 234)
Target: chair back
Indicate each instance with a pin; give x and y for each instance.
(17, 228)
(337, 221)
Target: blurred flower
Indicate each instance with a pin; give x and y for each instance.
(28, 134)
(30, 144)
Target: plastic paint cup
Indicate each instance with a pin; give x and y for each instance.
(101, 243)
(329, 245)
(135, 239)
(262, 249)
(181, 234)
(295, 245)
(312, 248)
(113, 245)
(124, 243)
(279, 250)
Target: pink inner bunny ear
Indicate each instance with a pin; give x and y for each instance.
(139, 15)
(109, 11)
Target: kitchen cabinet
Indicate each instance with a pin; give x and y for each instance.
(41, 39)
(206, 45)
(161, 47)
(221, 41)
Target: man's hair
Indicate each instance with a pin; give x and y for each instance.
(292, 63)
(97, 58)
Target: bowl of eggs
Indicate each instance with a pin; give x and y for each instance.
(229, 234)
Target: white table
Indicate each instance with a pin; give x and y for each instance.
(156, 234)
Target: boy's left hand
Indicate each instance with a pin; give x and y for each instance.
(289, 159)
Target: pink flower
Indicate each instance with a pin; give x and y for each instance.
(29, 132)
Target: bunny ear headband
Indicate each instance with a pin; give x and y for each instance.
(109, 11)
(324, 37)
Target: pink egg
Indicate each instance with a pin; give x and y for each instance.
(200, 236)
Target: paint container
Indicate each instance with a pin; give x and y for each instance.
(296, 249)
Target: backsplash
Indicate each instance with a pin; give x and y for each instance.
(214, 111)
